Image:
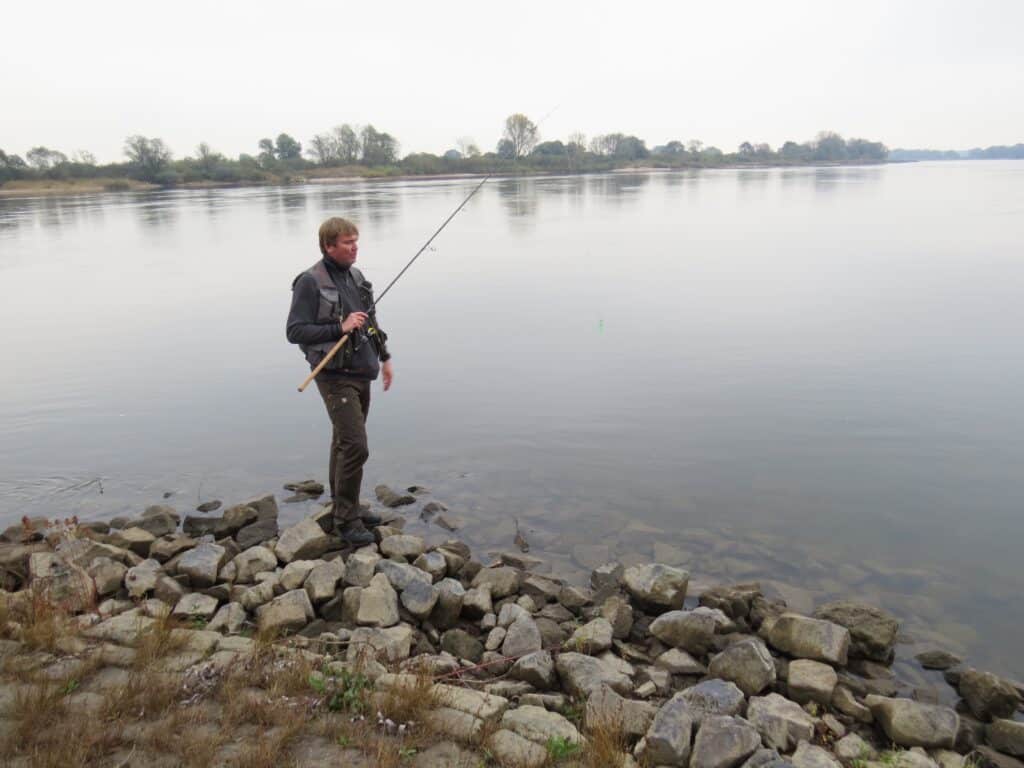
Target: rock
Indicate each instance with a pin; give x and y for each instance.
(941, 660)
(123, 629)
(433, 563)
(668, 739)
(209, 506)
(403, 545)
(462, 645)
(230, 619)
(402, 574)
(617, 610)
(419, 598)
(540, 726)
(158, 519)
(986, 757)
(811, 681)
(1007, 736)
(852, 747)
(257, 595)
(495, 638)
(141, 580)
(503, 581)
(807, 638)
(748, 664)
(202, 564)
(781, 722)
(572, 598)
(391, 644)
(509, 613)
(522, 637)
(512, 750)
(195, 606)
(844, 701)
(253, 561)
(107, 574)
(872, 630)
(679, 662)
(912, 724)
(594, 638)
(723, 742)
(134, 539)
(308, 487)
(537, 669)
(378, 603)
(712, 697)
(322, 581)
(809, 756)
(766, 758)
(477, 602)
(305, 540)
(734, 601)
(685, 629)
(581, 675)
(265, 525)
(163, 549)
(988, 696)
(657, 585)
(450, 595)
(295, 573)
(605, 708)
(914, 759)
(360, 567)
(390, 499)
(607, 577)
(285, 614)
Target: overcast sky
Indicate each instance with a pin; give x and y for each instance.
(935, 73)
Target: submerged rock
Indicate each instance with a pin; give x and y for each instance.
(807, 638)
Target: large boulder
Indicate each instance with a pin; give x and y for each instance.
(1007, 736)
(594, 637)
(712, 697)
(689, 630)
(872, 630)
(781, 722)
(503, 581)
(252, 561)
(606, 709)
(360, 567)
(810, 756)
(746, 663)
(581, 675)
(913, 724)
(462, 645)
(378, 604)
(655, 585)
(391, 644)
(202, 564)
(321, 583)
(668, 739)
(305, 540)
(402, 574)
(419, 599)
(523, 636)
(402, 545)
(810, 680)
(285, 614)
(987, 695)
(807, 638)
(723, 742)
(450, 594)
(537, 669)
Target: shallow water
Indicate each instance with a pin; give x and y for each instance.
(810, 377)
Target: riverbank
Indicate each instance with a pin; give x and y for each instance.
(221, 639)
(37, 187)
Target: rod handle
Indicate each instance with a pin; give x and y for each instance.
(327, 358)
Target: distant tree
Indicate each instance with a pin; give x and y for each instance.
(746, 149)
(83, 157)
(287, 148)
(379, 148)
(630, 148)
(248, 163)
(43, 159)
(208, 161)
(829, 147)
(605, 144)
(550, 148)
(672, 149)
(347, 142)
(793, 152)
(11, 167)
(148, 157)
(506, 150)
(467, 147)
(322, 149)
(763, 151)
(267, 153)
(577, 143)
(452, 154)
(695, 147)
(522, 133)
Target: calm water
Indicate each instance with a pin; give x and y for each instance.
(811, 377)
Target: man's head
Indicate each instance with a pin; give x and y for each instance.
(339, 240)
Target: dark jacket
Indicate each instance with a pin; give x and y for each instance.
(322, 296)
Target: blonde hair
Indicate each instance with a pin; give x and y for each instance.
(334, 228)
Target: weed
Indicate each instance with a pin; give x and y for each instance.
(606, 745)
(405, 753)
(69, 687)
(559, 748)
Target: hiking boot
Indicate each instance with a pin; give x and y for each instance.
(355, 533)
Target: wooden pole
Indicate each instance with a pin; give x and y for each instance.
(327, 358)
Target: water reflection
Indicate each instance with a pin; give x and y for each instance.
(519, 201)
(156, 211)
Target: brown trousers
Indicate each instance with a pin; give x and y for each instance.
(348, 403)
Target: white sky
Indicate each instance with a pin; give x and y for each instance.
(941, 74)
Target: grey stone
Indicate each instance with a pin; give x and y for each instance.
(167, 547)
(402, 574)
(767, 758)
(810, 756)
(872, 630)
(679, 662)
(811, 681)
(257, 595)
(477, 602)
(141, 580)
(723, 742)
(668, 739)
(195, 606)
(781, 722)
(987, 695)
(419, 598)
(378, 604)
(295, 573)
(734, 601)
(594, 638)
(512, 750)
(523, 636)
(712, 697)
(607, 577)
(986, 757)
(1007, 736)
(540, 726)
(938, 659)
(573, 598)
(433, 563)
(746, 663)
(462, 645)
(807, 638)
(391, 644)
(107, 574)
(450, 595)
(495, 638)
(688, 630)
(390, 499)
(844, 701)
(619, 614)
(158, 519)
(537, 669)
(322, 582)
(581, 675)
(509, 613)
(134, 539)
(305, 540)
(912, 724)
(605, 708)
(655, 584)
(402, 545)
(852, 747)
(230, 619)
(253, 561)
(202, 564)
(360, 567)
(502, 580)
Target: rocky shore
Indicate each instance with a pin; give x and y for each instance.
(222, 638)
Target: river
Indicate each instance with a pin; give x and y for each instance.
(808, 376)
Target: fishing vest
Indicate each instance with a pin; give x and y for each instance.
(359, 357)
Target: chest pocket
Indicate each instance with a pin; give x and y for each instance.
(330, 304)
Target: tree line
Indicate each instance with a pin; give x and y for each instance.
(365, 150)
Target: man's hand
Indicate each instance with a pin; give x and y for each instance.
(353, 321)
(388, 371)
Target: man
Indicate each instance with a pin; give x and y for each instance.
(330, 299)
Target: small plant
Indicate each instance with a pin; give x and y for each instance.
(559, 748)
(344, 741)
(198, 622)
(573, 711)
(69, 687)
(405, 753)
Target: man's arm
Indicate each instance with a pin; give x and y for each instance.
(303, 327)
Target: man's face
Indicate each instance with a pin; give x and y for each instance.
(344, 250)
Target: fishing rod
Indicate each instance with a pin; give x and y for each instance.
(341, 342)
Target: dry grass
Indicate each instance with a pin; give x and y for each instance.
(407, 704)
(269, 749)
(42, 623)
(606, 746)
(157, 642)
